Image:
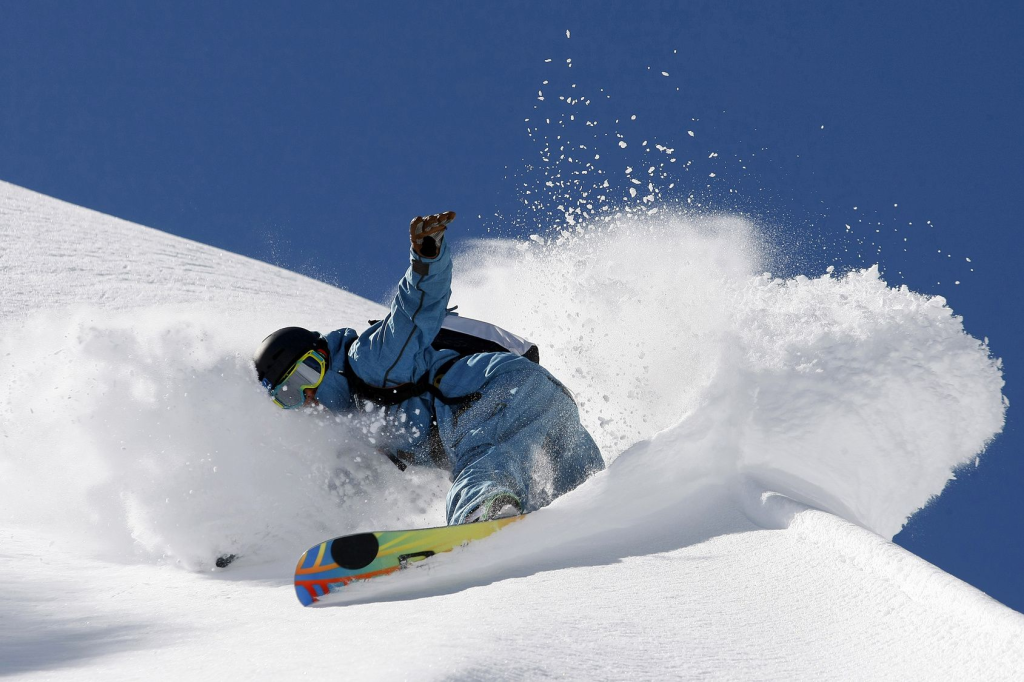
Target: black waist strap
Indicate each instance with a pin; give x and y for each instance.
(393, 395)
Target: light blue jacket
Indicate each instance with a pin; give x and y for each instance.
(397, 350)
(517, 433)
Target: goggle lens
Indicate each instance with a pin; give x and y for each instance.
(307, 373)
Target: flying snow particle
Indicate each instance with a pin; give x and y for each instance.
(566, 33)
(690, 133)
(664, 73)
(622, 144)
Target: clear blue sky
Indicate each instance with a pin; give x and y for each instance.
(307, 134)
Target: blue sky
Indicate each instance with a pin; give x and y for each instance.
(307, 135)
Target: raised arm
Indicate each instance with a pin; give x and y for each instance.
(397, 349)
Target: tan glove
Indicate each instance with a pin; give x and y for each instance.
(428, 233)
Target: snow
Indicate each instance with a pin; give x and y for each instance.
(765, 439)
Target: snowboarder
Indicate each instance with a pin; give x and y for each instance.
(507, 430)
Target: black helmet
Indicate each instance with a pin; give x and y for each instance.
(281, 350)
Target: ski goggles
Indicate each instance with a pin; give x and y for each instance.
(308, 372)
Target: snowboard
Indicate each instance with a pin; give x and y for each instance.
(333, 564)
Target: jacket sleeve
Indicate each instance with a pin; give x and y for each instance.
(397, 349)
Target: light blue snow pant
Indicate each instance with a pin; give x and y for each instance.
(521, 436)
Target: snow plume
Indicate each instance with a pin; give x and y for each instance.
(838, 391)
(145, 433)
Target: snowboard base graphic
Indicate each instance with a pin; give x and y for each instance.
(333, 564)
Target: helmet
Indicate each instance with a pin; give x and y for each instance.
(281, 350)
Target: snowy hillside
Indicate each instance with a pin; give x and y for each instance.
(765, 440)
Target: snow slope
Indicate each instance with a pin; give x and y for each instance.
(765, 439)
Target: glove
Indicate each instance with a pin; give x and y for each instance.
(428, 233)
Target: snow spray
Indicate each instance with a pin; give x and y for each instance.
(840, 391)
